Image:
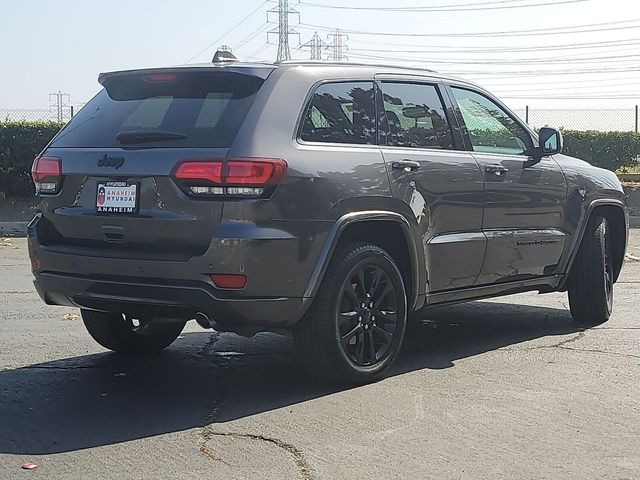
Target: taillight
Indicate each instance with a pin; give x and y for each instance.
(47, 174)
(235, 177)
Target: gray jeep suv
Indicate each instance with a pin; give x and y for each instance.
(334, 200)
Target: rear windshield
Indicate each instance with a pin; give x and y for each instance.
(164, 110)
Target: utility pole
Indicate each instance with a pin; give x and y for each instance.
(60, 103)
(338, 46)
(224, 48)
(315, 45)
(283, 30)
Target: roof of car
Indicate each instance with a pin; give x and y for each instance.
(262, 68)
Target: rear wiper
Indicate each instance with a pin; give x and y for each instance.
(142, 136)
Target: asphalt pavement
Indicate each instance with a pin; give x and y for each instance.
(504, 388)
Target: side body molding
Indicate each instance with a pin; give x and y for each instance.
(418, 271)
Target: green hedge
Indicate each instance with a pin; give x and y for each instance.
(615, 151)
(20, 142)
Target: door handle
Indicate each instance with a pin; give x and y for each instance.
(497, 169)
(406, 165)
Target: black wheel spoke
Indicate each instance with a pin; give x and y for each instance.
(352, 295)
(385, 316)
(360, 349)
(383, 334)
(375, 282)
(371, 349)
(346, 317)
(388, 288)
(361, 283)
(346, 338)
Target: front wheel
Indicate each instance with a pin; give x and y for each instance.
(121, 333)
(354, 329)
(592, 276)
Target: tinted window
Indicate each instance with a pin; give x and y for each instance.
(490, 128)
(415, 116)
(207, 108)
(341, 113)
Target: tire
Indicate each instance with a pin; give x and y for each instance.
(592, 276)
(343, 338)
(116, 332)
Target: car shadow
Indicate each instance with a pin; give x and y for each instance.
(101, 399)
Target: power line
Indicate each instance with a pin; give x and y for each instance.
(561, 82)
(244, 19)
(574, 97)
(484, 49)
(510, 33)
(413, 8)
(518, 61)
(439, 8)
(261, 29)
(529, 73)
(259, 50)
(593, 85)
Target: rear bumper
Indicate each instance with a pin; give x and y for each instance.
(177, 300)
(100, 279)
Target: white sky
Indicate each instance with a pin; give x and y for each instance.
(63, 44)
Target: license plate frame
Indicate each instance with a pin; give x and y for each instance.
(116, 198)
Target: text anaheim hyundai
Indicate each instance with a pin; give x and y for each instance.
(335, 200)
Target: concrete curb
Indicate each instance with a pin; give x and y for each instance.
(13, 229)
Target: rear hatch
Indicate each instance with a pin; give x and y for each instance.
(117, 193)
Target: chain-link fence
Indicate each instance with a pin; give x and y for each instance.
(601, 119)
(48, 114)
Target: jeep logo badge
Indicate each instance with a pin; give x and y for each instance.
(107, 161)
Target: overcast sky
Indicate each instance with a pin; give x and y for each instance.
(527, 55)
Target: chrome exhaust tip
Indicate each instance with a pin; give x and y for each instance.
(204, 321)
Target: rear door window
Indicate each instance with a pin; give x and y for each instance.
(341, 113)
(199, 109)
(415, 116)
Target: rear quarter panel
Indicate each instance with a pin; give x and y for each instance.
(323, 183)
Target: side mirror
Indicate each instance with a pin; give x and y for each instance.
(550, 141)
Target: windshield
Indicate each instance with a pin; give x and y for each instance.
(168, 110)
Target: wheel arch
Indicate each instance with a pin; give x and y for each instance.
(615, 213)
(366, 226)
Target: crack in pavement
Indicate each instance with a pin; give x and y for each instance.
(563, 344)
(296, 454)
(589, 350)
(207, 433)
(577, 337)
(616, 328)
